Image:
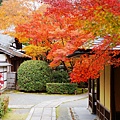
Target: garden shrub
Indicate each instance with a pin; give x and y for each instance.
(61, 88)
(33, 75)
(60, 76)
(4, 101)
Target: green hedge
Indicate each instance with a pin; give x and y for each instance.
(4, 100)
(61, 88)
(33, 75)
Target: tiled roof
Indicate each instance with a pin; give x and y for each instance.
(5, 47)
(88, 46)
(93, 43)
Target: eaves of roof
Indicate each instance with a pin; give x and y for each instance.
(13, 52)
(2, 49)
(5, 43)
(79, 52)
(87, 48)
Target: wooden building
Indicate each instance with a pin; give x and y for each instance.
(104, 93)
(11, 56)
(4, 69)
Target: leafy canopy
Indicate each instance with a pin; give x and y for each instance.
(67, 25)
(89, 20)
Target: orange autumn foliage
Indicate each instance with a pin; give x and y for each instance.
(91, 18)
(69, 25)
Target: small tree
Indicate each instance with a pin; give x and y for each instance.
(33, 75)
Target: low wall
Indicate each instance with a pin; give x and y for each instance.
(11, 80)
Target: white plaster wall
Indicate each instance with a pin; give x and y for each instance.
(3, 69)
(3, 57)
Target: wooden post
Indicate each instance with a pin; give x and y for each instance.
(112, 95)
(98, 88)
(89, 85)
(93, 98)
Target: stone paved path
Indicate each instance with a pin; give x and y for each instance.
(47, 110)
(79, 109)
(43, 107)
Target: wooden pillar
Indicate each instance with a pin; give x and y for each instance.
(89, 85)
(98, 89)
(112, 95)
(93, 98)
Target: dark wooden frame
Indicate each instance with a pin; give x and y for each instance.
(92, 96)
(102, 112)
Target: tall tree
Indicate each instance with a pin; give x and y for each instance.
(47, 30)
(71, 24)
(93, 19)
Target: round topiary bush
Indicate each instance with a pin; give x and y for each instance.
(33, 75)
(60, 76)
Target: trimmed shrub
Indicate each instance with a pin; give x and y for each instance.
(33, 75)
(61, 88)
(4, 101)
(60, 76)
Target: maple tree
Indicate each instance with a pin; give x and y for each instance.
(71, 25)
(66, 33)
(67, 25)
(102, 19)
(92, 18)
(35, 33)
(18, 12)
(45, 31)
